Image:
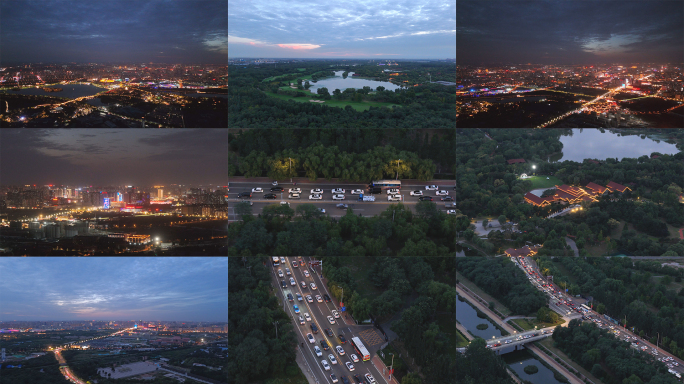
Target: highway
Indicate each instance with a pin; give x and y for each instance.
(319, 313)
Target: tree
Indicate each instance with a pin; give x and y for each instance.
(502, 219)
(380, 88)
(484, 223)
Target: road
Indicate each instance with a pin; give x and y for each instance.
(572, 245)
(319, 312)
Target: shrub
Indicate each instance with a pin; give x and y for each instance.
(482, 327)
(531, 369)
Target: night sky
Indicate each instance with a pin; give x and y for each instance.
(142, 157)
(117, 288)
(171, 31)
(567, 32)
(379, 29)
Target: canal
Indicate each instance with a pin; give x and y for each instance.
(467, 316)
(518, 360)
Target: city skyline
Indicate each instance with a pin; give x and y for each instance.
(113, 156)
(585, 32)
(348, 29)
(63, 31)
(99, 289)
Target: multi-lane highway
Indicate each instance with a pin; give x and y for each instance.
(318, 312)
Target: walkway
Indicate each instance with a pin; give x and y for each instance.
(572, 245)
(517, 317)
(464, 331)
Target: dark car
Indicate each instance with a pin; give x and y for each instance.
(342, 339)
(328, 332)
(342, 206)
(289, 297)
(447, 198)
(325, 345)
(326, 298)
(270, 196)
(283, 283)
(277, 189)
(244, 194)
(344, 379)
(423, 198)
(357, 378)
(314, 328)
(375, 190)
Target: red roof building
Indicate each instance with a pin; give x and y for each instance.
(597, 189)
(613, 186)
(524, 251)
(533, 199)
(515, 161)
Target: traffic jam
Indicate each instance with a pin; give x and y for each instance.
(566, 305)
(335, 351)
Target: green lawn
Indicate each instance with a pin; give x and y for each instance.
(461, 340)
(541, 181)
(359, 106)
(529, 324)
(276, 77)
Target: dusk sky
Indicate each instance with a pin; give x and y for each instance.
(117, 288)
(170, 31)
(338, 29)
(567, 32)
(124, 156)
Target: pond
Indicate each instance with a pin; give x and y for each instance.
(518, 360)
(71, 91)
(465, 251)
(467, 316)
(339, 82)
(591, 143)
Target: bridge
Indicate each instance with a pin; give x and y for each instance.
(514, 342)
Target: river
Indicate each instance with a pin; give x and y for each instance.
(591, 143)
(338, 82)
(467, 316)
(518, 360)
(71, 91)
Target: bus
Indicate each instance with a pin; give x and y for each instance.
(585, 307)
(276, 261)
(360, 349)
(385, 184)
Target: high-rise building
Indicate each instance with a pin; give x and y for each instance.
(160, 192)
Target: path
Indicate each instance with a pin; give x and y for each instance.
(517, 317)
(464, 331)
(572, 245)
(446, 184)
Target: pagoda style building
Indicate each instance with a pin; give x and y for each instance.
(572, 195)
(613, 186)
(524, 251)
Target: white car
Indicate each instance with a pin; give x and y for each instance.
(306, 273)
(394, 198)
(340, 350)
(369, 378)
(311, 338)
(282, 260)
(255, 190)
(280, 273)
(332, 358)
(442, 193)
(349, 365)
(294, 190)
(315, 197)
(416, 193)
(317, 191)
(338, 190)
(331, 320)
(337, 315)
(294, 196)
(338, 197)
(309, 298)
(356, 191)
(306, 315)
(393, 191)
(301, 320)
(354, 358)
(319, 298)
(292, 281)
(451, 212)
(325, 365)
(318, 351)
(313, 285)
(321, 210)
(431, 187)
(287, 271)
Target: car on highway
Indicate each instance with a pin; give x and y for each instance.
(332, 358)
(441, 193)
(283, 283)
(338, 197)
(301, 262)
(257, 190)
(447, 198)
(349, 365)
(299, 296)
(309, 298)
(326, 297)
(354, 358)
(338, 190)
(244, 194)
(325, 345)
(425, 198)
(345, 380)
(294, 196)
(339, 350)
(337, 315)
(314, 328)
(321, 210)
(315, 197)
(306, 273)
(341, 338)
(277, 189)
(284, 203)
(307, 316)
(328, 332)
(317, 191)
(280, 273)
(292, 281)
(295, 265)
(303, 284)
(296, 308)
(325, 365)
(245, 202)
(333, 378)
(356, 191)
(369, 378)
(312, 286)
(318, 351)
(451, 212)
(319, 298)
(394, 198)
(287, 271)
(275, 182)
(393, 191)
(416, 193)
(431, 187)
(294, 190)
(331, 320)
(301, 321)
(270, 196)
(282, 259)
(342, 206)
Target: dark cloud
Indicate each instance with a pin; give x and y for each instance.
(591, 31)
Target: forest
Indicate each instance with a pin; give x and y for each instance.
(608, 358)
(638, 291)
(39, 370)
(350, 154)
(500, 278)
(480, 365)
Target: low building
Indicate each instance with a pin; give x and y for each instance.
(524, 251)
(615, 187)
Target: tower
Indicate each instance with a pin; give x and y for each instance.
(3, 354)
(160, 193)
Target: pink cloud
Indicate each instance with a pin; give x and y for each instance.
(299, 46)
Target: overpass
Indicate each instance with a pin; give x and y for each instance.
(514, 342)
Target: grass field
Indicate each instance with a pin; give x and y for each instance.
(470, 285)
(276, 77)
(359, 106)
(542, 182)
(461, 340)
(528, 324)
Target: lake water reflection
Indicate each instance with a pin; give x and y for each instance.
(71, 91)
(591, 143)
(467, 316)
(518, 360)
(338, 82)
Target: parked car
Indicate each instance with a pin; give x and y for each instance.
(338, 190)
(451, 212)
(416, 193)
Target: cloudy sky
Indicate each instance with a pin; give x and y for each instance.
(160, 31)
(124, 156)
(567, 32)
(117, 288)
(347, 28)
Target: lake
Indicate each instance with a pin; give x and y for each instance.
(467, 316)
(518, 360)
(71, 91)
(591, 143)
(338, 82)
